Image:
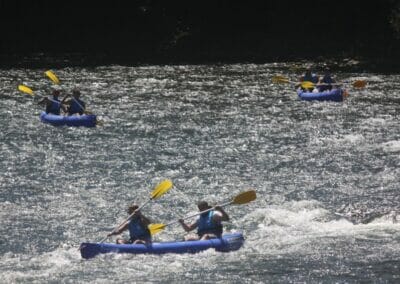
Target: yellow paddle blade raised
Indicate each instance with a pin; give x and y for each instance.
(25, 90)
(245, 197)
(161, 188)
(280, 79)
(156, 228)
(52, 76)
(359, 84)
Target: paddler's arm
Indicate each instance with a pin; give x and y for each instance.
(119, 230)
(65, 98)
(43, 101)
(221, 214)
(187, 227)
(64, 103)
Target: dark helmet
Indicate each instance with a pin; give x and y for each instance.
(76, 93)
(132, 208)
(203, 205)
(56, 92)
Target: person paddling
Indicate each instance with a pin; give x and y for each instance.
(308, 77)
(325, 82)
(137, 226)
(75, 104)
(209, 225)
(53, 105)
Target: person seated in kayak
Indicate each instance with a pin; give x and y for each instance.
(209, 225)
(74, 104)
(325, 82)
(308, 77)
(53, 104)
(137, 226)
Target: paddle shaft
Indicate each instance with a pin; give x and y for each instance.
(41, 96)
(279, 79)
(126, 220)
(199, 213)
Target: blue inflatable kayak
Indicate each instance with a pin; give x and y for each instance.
(228, 242)
(335, 95)
(87, 120)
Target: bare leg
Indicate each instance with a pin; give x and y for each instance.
(208, 236)
(122, 242)
(191, 237)
(142, 242)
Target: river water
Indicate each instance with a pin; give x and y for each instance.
(215, 131)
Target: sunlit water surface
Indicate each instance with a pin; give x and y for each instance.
(215, 131)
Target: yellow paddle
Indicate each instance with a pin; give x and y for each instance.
(52, 77)
(242, 198)
(356, 84)
(29, 91)
(307, 84)
(157, 192)
(280, 79)
(359, 84)
(284, 80)
(26, 90)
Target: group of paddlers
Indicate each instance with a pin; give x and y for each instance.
(71, 104)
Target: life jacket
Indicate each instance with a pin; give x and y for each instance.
(76, 107)
(137, 230)
(206, 225)
(54, 106)
(326, 80)
(313, 78)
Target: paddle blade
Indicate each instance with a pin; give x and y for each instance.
(161, 188)
(307, 85)
(25, 90)
(280, 79)
(245, 197)
(52, 77)
(359, 84)
(156, 228)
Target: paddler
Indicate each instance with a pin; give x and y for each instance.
(308, 77)
(209, 224)
(75, 104)
(137, 226)
(326, 81)
(53, 104)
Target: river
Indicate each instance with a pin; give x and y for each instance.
(215, 131)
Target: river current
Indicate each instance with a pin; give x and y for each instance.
(215, 131)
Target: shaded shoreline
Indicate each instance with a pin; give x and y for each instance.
(40, 35)
(62, 60)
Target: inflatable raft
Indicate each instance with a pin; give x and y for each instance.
(335, 95)
(228, 242)
(87, 120)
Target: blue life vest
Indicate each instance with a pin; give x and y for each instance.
(54, 106)
(76, 107)
(137, 230)
(326, 80)
(206, 225)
